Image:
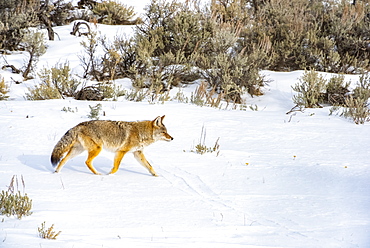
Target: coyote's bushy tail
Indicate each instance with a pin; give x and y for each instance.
(63, 146)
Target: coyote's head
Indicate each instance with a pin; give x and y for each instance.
(159, 130)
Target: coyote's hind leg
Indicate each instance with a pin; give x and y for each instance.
(93, 153)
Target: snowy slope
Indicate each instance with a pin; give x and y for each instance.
(299, 180)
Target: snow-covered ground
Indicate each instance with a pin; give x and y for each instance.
(298, 180)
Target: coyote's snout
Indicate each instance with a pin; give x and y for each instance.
(119, 137)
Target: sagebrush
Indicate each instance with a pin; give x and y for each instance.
(13, 202)
(356, 104)
(114, 13)
(47, 233)
(201, 147)
(310, 88)
(4, 89)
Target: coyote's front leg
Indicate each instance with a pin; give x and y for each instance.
(117, 161)
(139, 155)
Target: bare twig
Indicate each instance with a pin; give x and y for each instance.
(296, 108)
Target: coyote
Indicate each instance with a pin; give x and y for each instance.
(119, 137)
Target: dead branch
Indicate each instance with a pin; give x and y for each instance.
(14, 70)
(296, 108)
(76, 29)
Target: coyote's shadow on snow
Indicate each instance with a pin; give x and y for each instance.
(42, 163)
(102, 164)
(37, 162)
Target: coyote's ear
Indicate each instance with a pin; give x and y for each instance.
(162, 118)
(157, 121)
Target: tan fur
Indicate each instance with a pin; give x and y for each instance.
(119, 137)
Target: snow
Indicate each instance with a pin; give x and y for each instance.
(297, 180)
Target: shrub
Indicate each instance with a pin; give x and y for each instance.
(59, 76)
(62, 80)
(128, 61)
(60, 12)
(203, 97)
(232, 75)
(187, 35)
(159, 97)
(301, 34)
(362, 89)
(310, 89)
(179, 43)
(34, 44)
(357, 106)
(357, 109)
(124, 58)
(15, 16)
(14, 203)
(201, 147)
(47, 233)
(168, 41)
(69, 109)
(180, 97)
(43, 91)
(336, 91)
(134, 58)
(136, 95)
(90, 62)
(110, 62)
(174, 26)
(348, 25)
(228, 42)
(4, 89)
(110, 90)
(236, 11)
(55, 83)
(113, 13)
(95, 112)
